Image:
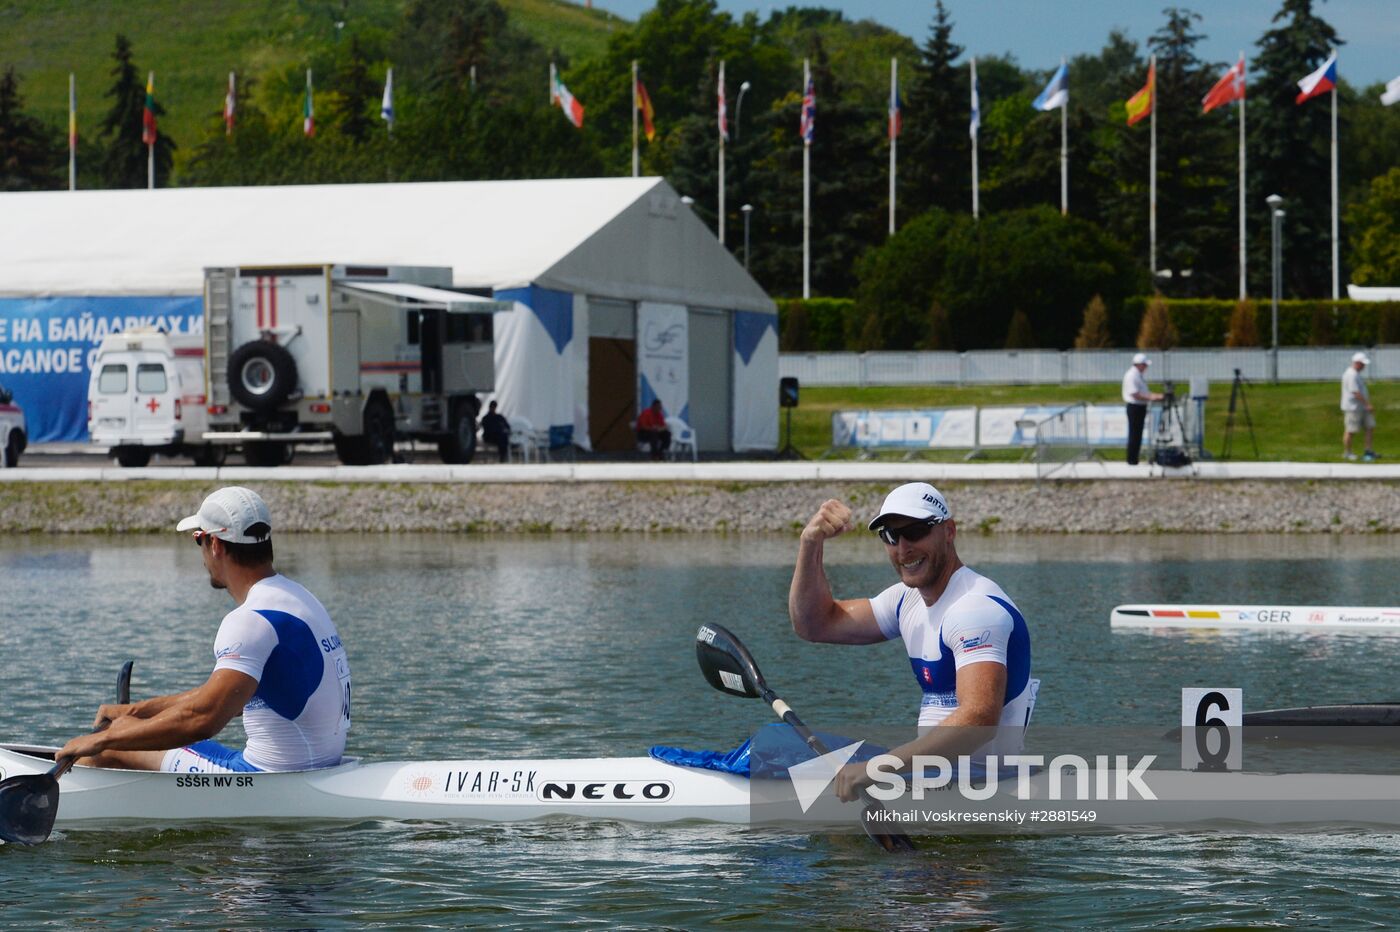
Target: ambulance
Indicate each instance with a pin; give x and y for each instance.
(359, 356)
(146, 396)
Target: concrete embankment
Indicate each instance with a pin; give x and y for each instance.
(1106, 506)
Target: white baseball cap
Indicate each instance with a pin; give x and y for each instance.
(1141, 360)
(1361, 358)
(913, 500)
(228, 514)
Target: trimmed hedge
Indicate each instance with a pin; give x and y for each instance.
(833, 325)
(1206, 322)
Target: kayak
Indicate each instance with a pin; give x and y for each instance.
(1258, 617)
(637, 789)
(641, 789)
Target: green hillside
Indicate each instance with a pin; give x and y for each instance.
(193, 44)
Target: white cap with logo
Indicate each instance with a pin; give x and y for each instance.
(1141, 359)
(1361, 358)
(913, 500)
(228, 514)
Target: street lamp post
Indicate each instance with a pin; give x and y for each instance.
(739, 108)
(747, 209)
(1276, 217)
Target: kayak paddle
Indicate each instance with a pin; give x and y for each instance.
(730, 668)
(29, 802)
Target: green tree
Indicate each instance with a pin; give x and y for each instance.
(30, 154)
(1374, 224)
(935, 148)
(1289, 152)
(124, 154)
(358, 95)
(1244, 325)
(1156, 331)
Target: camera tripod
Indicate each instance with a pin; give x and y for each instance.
(1237, 396)
(1167, 449)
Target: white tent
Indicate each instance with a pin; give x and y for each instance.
(1361, 293)
(586, 259)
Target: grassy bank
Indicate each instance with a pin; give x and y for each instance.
(1297, 421)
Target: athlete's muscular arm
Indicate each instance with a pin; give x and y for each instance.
(815, 615)
(981, 690)
(191, 716)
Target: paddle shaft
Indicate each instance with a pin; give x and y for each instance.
(889, 841)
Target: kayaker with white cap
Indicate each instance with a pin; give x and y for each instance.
(967, 642)
(278, 662)
(1136, 396)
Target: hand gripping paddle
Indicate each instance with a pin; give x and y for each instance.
(29, 802)
(730, 668)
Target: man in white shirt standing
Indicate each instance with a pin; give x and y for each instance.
(1136, 396)
(1357, 413)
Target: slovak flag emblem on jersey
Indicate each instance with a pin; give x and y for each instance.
(927, 675)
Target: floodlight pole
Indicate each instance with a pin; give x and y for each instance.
(747, 210)
(1276, 216)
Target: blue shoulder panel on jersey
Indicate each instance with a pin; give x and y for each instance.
(1018, 652)
(294, 669)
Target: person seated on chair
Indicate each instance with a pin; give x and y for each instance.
(651, 429)
(496, 429)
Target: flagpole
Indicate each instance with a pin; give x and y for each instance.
(1064, 153)
(1244, 289)
(1152, 169)
(974, 139)
(636, 155)
(806, 195)
(722, 131)
(72, 132)
(1336, 270)
(894, 140)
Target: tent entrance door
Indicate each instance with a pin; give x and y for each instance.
(612, 394)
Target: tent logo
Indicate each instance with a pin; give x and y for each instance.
(811, 778)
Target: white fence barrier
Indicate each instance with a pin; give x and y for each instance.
(1069, 367)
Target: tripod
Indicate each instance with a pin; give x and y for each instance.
(789, 452)
(1237, 395)
(1166, 450)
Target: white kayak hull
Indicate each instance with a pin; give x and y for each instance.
(637, 789)
(1258, 617)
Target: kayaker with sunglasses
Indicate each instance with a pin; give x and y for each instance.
(967, 642)
(278, 662)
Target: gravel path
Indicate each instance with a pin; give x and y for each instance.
(991, 507)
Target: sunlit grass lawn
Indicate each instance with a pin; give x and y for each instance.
(1297, 421)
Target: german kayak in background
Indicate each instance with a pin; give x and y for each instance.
(1258, 617)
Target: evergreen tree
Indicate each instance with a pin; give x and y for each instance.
(935, 150)
(30, 155)
(1093, 333)
(1157, 330)
(1289, 153)
(124, 154)
(1244, 325)
(359, 95)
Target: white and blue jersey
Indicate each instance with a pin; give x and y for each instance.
(282, 637)
(973, 621)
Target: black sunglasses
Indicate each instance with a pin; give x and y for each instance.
(910, 532)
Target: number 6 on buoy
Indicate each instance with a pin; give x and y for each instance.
(1211, 720)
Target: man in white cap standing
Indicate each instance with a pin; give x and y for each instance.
(1357, 412)
(278, 662)
(1136, 396)
(967, 642)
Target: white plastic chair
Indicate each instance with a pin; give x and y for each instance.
(526, 442)
(682, 437)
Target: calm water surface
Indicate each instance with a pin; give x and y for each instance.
(582, 646)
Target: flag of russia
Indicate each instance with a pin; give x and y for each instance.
(1320, 81)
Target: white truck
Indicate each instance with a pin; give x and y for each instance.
(146, 396)
(13, 431)
(357, 355)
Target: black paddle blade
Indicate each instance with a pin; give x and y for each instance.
(124, 683)
(28, 807)
(727, 663)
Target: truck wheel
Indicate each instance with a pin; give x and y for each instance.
(261, 375)
(460, 445)
(14, 446)
(266, 453)
(132, 457)
(379, 434)
(209, 454)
